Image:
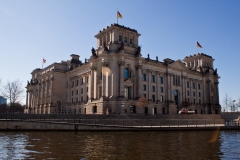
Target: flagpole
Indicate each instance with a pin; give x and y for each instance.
(117, 16)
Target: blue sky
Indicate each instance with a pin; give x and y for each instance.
(55, 29)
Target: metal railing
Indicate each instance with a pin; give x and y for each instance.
(133, 123)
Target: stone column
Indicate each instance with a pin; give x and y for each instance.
(149, 84)
(91, 86)
(27, 100)
(183, 88)
(104, 64)
(139, 81)
(95, 85)
(157, 80)
(121, 78)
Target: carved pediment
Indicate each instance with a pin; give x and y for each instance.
(128, 82)
(178, 65)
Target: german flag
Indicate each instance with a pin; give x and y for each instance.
(119, 15)
(198, 45)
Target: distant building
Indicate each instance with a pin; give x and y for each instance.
(113, 79)
(3, 100)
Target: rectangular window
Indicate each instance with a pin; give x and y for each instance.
(72, 93)
(144, 95)
(200, 101)
(161, 99)
(161, 89)
(193, 94)
(77, 92)
(176, 80)
(72, 83)
(188, 93)
(82, 81)
(153, 88)
(72, 100)
(86, 98)
(194, 101)
(77, 83)
(144, 87)
(153, 78)
(199, 94)
(153, 98)
(161, 80)
(77, 99)
(144, 77)
(81, 99)
(199, 86)
(81, 90)
(193, 85)
(187, 84)
(94, 109)
(86, 79)
(87, 89)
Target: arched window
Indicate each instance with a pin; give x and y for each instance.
(120, 38)
(127, 73)
(131, 42)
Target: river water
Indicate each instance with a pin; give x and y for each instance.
(120, 145)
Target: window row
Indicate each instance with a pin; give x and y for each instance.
(81, 99)
(193, 85)
(76, 83)
(81, 91)
(153, 88)
(153, 98)
(153, 79)
(125, 39)
(194, 93)
(194, 101)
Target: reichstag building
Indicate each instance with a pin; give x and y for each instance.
(116, 79)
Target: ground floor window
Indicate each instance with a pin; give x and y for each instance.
(94, 109)
(127, 92)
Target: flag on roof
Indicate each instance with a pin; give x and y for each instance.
(119, 15)
(44, 60)
(198, 45)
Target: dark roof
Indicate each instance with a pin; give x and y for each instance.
(199, 54)
(75, 61)
(117, 25)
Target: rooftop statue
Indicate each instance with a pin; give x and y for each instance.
(94, 52)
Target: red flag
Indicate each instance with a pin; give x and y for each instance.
(198, 45)
(44, 60)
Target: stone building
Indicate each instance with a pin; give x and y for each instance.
(116, 76)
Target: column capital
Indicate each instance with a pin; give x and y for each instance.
(138, 67)
(121, 63)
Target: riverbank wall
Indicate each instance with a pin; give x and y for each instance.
(33, 122)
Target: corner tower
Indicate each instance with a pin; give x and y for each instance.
(116, 37)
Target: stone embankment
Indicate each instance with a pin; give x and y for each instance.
(66, 122)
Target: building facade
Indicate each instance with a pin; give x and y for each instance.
(3, 100)
(116, 78)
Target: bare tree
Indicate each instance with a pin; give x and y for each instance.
(13, 91)
(142, 102)
(227, 102)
